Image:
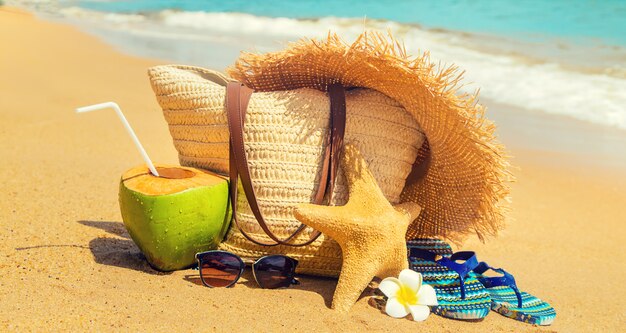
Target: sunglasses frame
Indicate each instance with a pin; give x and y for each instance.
(242, 265)
(291, 276)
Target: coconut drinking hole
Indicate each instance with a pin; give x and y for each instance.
(175, 173)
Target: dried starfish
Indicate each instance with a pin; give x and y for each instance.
(370, 231)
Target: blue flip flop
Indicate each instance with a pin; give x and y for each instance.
(459, 294)
(507, 300)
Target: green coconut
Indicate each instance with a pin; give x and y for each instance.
(176, 215)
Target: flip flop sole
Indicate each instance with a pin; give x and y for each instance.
(533, 311)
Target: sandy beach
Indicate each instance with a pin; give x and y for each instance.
(68, 264)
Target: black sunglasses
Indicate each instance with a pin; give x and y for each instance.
(223, 269)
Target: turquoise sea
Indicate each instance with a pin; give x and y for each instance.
(600, 20)
(559, 57)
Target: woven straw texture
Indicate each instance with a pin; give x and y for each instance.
(284, 140)
(467, 171)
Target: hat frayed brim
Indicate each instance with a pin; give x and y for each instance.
(466, 177)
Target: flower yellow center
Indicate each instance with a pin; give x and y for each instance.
(406, 296)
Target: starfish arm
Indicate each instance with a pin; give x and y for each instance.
(322, 218)
(411, 209)
(363, 188)
(356, 274)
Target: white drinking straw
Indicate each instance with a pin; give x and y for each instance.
(129, 129)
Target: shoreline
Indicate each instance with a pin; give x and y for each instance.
(519, 128)
(69, 262)
(531, 134)
(551, 76)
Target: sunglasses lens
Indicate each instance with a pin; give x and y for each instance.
(219, 269)
(274, 272)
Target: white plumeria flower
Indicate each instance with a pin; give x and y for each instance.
(408, 295)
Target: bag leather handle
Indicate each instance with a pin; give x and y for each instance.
(237, 99)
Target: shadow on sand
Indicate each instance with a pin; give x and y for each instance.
(122, 252)
(115, 251)
(115, 228)
(322, 286)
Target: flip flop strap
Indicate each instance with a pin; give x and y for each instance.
(421, 253)
(470, 262)
(505, 280)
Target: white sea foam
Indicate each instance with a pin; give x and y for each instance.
(545, 85)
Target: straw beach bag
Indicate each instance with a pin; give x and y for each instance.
(284, 134)
(424, 141)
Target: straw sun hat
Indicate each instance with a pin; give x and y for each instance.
(423, 141)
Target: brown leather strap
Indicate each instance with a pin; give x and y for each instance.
(337, 95)
(237, 98)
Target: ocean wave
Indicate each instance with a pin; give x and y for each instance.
(514, 78)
